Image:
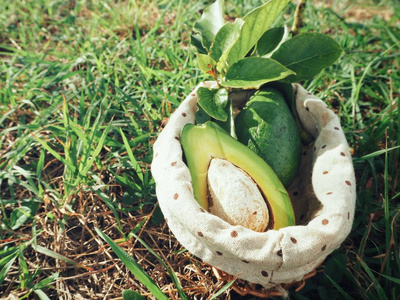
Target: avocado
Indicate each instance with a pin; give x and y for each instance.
(267, 127)
(202, 143)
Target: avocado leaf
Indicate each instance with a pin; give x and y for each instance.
(201, 116)
(270, 40)
(252, 72)
(213, 101)
(196, 41)
(206, 63)
(256, 23)
(210, 22)
(307, 54)
(223, 42)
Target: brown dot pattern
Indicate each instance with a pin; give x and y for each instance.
(294, 241)
(323, 147)
(234, 234)
(348, 216)
(264, 273)
(183, 114)
(329, 193)
(325, 172)
(323, 248)
(348, 182)
(218, 253)
(177, 138)
(336, 128)
(202, 210)
(173, 164)
(325, 222)
(176, 196)
(342, 154)
(245, 261)
(200, 234)
(279, 253)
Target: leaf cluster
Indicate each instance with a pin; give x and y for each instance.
(248, 53)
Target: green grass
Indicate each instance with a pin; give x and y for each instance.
(85, 88)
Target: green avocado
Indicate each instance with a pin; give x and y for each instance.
(201, 143)
(267, 127)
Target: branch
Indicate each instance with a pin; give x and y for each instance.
(298, 17)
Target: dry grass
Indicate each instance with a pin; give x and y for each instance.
(41, 38)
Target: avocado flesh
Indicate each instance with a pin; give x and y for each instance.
(201, 143)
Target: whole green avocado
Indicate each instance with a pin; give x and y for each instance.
(267, 127)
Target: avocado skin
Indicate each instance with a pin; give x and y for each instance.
(203, 142)
(267, 127)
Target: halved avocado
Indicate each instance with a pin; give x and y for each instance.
(203, 142)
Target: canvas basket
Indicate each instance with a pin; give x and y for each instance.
(323, 196)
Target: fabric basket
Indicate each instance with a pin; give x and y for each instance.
(323, 196)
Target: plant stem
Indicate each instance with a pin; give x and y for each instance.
(298, 17)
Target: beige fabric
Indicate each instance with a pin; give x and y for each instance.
(323, 196)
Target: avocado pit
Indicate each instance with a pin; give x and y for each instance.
(235, 197)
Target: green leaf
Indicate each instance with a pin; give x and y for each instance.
(307, 54)
(270, 40)
(213, 102)
(206, 63)
(210, 22)
(256, 23)
(134, 267)
(252, 72)
(202, 116)
(131, 295)
(195, 40)
(223, 42)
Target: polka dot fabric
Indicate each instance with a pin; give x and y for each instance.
(323, 197)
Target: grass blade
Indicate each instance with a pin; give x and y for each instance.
(341, 291)
(135, 164)
(134, 267)
(45, 282)
(131, 295)
(6, 268)
(378, 287)
(41, 294)
(70, 166)
(55, 255)
(169, 270)
(223, 289)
